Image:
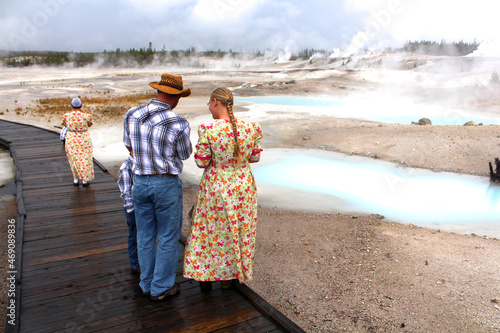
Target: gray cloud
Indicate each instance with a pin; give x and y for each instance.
(92, 25)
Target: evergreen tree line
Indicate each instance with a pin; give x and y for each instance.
(133, 57)
(440, 49)
(308, 53)
(147, 56)
(29, 58)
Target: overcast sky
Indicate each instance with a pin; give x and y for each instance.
(240, 25)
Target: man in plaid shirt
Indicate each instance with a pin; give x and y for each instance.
(158, 141)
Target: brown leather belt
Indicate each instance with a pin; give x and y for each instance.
(162, 175)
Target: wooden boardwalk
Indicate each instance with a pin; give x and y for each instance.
(72, 265)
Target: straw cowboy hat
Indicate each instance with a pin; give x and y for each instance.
(171, 84)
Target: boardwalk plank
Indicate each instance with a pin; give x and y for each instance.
(45, 271)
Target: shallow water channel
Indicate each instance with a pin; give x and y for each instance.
(327, 182)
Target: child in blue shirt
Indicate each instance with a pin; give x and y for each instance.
(125, 182)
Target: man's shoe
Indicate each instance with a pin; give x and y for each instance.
(167, 293)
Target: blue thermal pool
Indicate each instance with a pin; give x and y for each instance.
(405, 195)
(383, 110)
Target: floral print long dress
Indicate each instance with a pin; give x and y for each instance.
(221, 239)
(78, 144)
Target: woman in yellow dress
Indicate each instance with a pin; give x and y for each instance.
(221, 241)
(78, 143)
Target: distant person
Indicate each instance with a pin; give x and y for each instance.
(125, 181)
(78, 143)
(221, 240)
(158, 140)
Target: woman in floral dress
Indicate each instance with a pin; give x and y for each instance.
(221, 241)
(78, 143)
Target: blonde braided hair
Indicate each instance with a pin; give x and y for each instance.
(225, 96)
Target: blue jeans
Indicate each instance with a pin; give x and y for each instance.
(132, 240)
(158, 214)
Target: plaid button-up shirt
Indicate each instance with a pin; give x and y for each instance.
(158, 137)
(125, 182)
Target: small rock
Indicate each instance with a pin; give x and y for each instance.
(469, 123)
(425, 121)
(307, 137)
